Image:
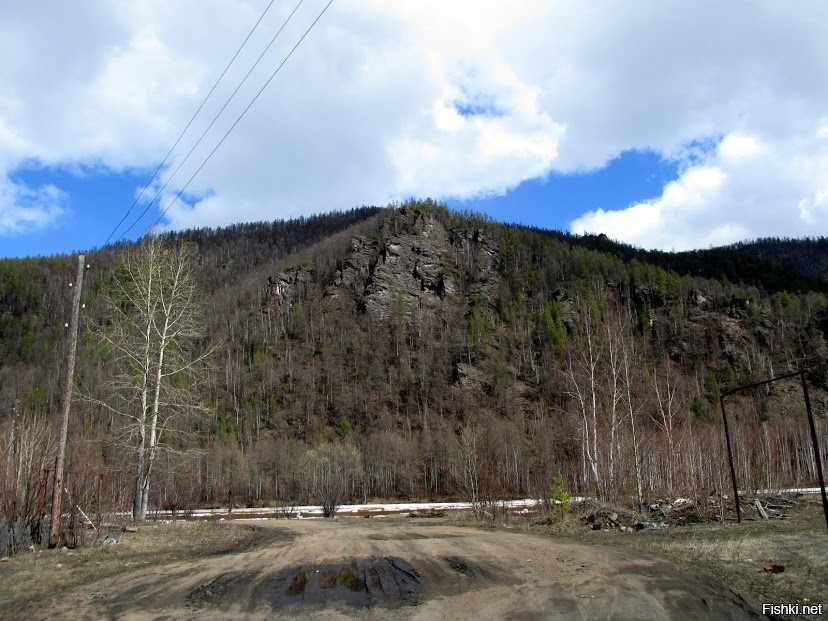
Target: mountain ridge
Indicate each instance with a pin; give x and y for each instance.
(453, 355)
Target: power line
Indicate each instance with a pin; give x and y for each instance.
(215, 118)
(227, 133)
(184, 131)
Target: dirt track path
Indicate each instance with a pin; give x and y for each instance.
(395, 569)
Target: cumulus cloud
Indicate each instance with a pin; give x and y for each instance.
(383, 118)
(655, 222)
(387, 99)
(814, 210)
(24, 209)
(745, 188)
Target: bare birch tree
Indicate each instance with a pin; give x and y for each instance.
(582, 377)
(155, 326)
(665, 390)
(632, 413)
(615, 394)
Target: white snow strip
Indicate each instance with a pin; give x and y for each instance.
(315, 511)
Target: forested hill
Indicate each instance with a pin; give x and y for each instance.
(429, 353)
(239, 248)
(773, 264)
(34, 302)
(806, 257)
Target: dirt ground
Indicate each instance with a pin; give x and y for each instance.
(738, 555)
(400, 568)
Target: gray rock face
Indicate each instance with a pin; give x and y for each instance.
(411, 270)
(285, 287)
(734, 341)
(418, 265)
(355, 271)
(478, 256)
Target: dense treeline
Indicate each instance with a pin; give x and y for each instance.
(807, 257)
(773, 264)
(417, 352)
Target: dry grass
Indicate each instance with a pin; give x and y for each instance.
(34, 580)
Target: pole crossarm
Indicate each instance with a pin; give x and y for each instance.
(811, 424)
(762, 383)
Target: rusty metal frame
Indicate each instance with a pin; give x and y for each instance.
(814, 439)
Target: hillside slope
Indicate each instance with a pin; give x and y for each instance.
(443, 355)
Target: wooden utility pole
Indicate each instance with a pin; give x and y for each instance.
(57, 490)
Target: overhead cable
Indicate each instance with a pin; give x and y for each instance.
(241, 116)
(184, 131)
(213, 122)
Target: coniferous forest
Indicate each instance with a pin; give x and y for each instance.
(408, 352)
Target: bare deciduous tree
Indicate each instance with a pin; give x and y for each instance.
(583, 387)
(154, 328)
(470, 463)
(29, 449)
(666, 390)
(333, 471)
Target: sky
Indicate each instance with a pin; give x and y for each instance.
(664, 124)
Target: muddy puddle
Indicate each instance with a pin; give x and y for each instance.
(362, 583)
(388, 582)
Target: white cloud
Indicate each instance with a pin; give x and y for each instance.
(814, 210)
(669, 221)
(375, 104)
(740, 146)
(24, 209)
(744, 189)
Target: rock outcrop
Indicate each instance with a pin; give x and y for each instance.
(416, 264)
(286, 287)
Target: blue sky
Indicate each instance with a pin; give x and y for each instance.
(94, 202)
(97, 200)
(668, 125)
(554, 201)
